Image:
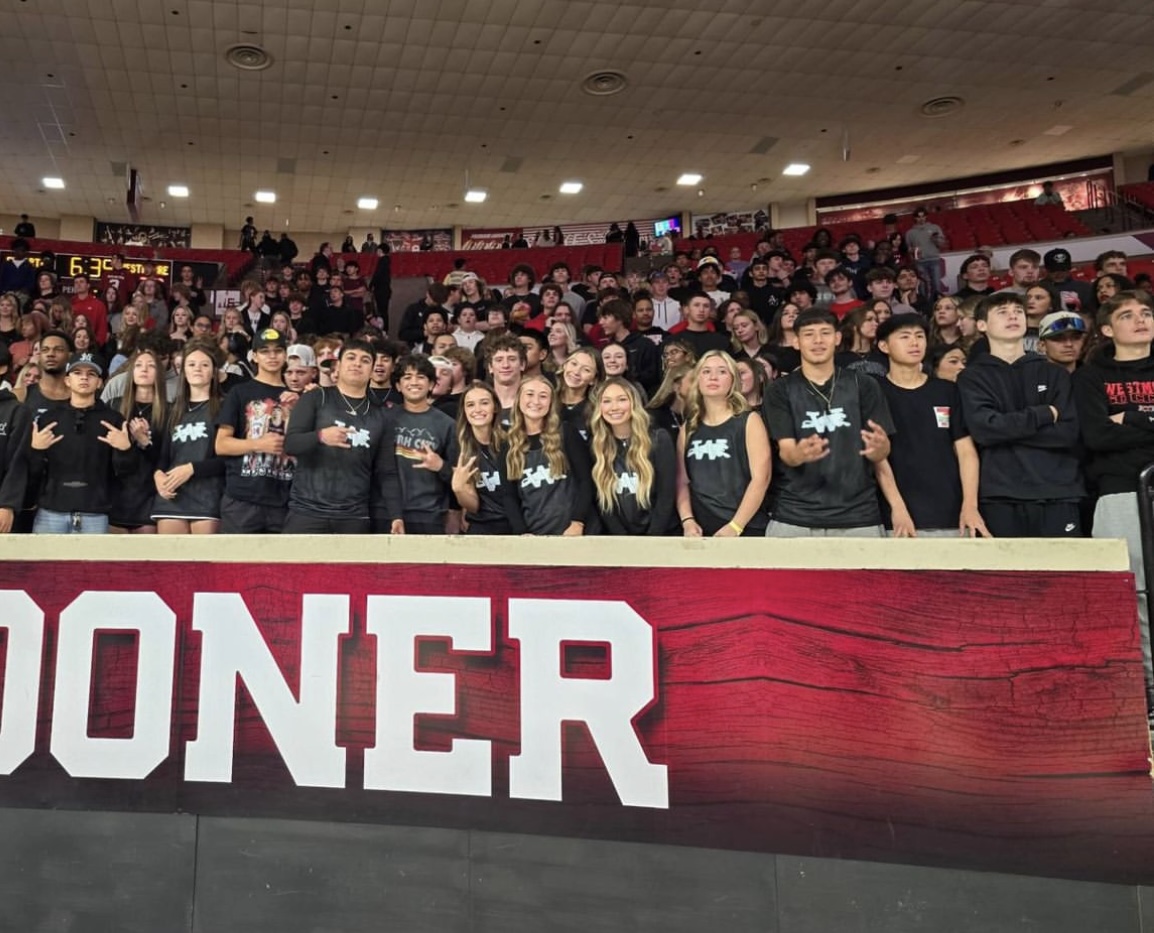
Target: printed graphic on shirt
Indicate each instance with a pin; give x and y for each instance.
(490, 482)
(411, 442)
(714, 449)
(539, 476)
(183, 433)
(3, 428)
(830, 421)
(358, 437)
(942, 413)
(627, 483)
(262, 417)
(1138, 392)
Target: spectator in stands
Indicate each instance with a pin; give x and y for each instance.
(475, 292)
(581, 372)
(753, 374)
(521, 280)
(824, 262)
(547, 471)
(466, 333)
(156, 307)
(144, 406)
(370, 245)
(1024, 265)
(1109, 284)
(25, 228)
(1069, 294)
(765, 297)
(15, 427)
(802, 293)
(723, 456)
(782, 343)
(476, 481)
(643, 321)
(854, 261)
(1049, 196)
(830, 428)
(616, 320)
(858, 343)
(1112, 392)
(699, 330)
(47, 286)
(930, 478)
(675, 352)
(300, 367)
(709, 275)
(908, 291)
(381, 388)
(1113, 261)
(84, 302)
(947, 361)
(250, 430)
(248, 236)
(322, 259)
(1062, 339)
(634, 470)
(412, 326)
(748, 336)
(287, 250)
(926, 242)
(120, 278)
(536, 349)
(667, 407)
(976, 274)
(1020, 411)
(881, 281)
(944, 321)
(666, 308)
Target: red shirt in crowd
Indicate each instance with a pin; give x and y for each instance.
(842, 308)
(93, 309)
(122, 280)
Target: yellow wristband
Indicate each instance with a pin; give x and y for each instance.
(736, 527)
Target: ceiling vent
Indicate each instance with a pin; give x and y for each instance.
(248, 57)
(604, 83)
(942, 106)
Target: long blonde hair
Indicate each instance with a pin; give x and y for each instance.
(667, 391)
(695, 404)
(551, 439)
(638, 457)
(466, 438)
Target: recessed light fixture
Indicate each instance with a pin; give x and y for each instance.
(178, 191)
(367, 204)
(689, 178)
(53, 182)
(795, 168)
(266, 197)
(476, 195)
(571, 187)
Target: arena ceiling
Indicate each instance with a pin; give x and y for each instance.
(399, 100)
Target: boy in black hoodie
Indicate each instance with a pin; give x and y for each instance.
(1020, 411)
(77, 447)
(14, 424)
(1114, 392)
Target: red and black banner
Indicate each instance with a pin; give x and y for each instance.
(989, 720)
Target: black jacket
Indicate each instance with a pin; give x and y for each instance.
(1117, 453)
(77, 474)
(15, 420)
(1025, 454)
(644, 360)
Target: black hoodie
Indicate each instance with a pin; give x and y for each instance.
(1104, 387)
(1025, 454)
(15, 421)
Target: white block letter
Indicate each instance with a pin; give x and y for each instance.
(404, 692)
(155, 625)
(24, 622)
(607, 707)
(304, 733)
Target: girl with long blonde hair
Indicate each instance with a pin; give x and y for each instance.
(477, 475)
(547, 469)
(723, 456)
(667, 407)
(634, 465)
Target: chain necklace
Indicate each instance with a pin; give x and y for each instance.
(354, 409)
(828, 399)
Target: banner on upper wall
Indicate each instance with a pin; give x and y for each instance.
(415, 241)
(705, 225)
(825, 712)
(157, 237)
(572, 235)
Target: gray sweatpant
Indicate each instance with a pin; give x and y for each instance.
(1116, 516)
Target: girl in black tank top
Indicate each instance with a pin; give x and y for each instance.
(723, 455)
(477, 476)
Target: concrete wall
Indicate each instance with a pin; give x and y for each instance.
(150, 873)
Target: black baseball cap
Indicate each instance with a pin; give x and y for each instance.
(269, 338)
(80, 360)
(1057, 260)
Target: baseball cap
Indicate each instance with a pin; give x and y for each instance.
(303, 354)
(441, 362)
(79, 360)
(1060, 322)
(709, 261)
(1057, 260)
(658, 274)
(269, 338)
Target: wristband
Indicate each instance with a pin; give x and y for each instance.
(689, 519)
(736, 527)
(320, 436)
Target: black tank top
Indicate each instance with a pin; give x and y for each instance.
(718, 467)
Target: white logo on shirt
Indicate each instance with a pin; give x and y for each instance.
(4, 429)
(490, 482)
(539, 476)
(627, 482)
(716, 449)
(358, 437)
(190, 432)
(1043, 387)
(830, 421)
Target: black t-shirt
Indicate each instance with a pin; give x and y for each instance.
(628, 517)
(542, 503)
(717, 463)
(840, 490)
(928, 421)
(765, 300)
(490, 514)
(425, 494)
(253, 409)
(703, 341)
(191, 440)
(874, 363)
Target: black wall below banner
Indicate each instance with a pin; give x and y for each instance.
(77, 872)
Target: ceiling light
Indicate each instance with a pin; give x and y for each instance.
(178, 191)
(689, 178)
(266, 197)
(476, 195)
(571, 187)
(53, 182)
(367, 204)
(795, 168)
